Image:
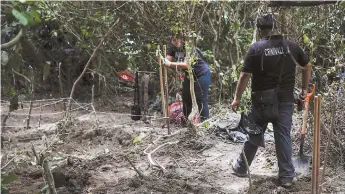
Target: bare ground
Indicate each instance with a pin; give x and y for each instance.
(90, 159)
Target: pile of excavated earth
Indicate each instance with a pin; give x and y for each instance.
(108, 152)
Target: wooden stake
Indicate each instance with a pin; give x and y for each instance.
(161, 81)
(313, 175)
(316, 146)
(166, 92)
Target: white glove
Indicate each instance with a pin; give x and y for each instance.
(162, 58)
(167, 62)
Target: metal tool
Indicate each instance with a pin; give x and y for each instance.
(302, 162)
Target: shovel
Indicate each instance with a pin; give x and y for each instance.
(302, 162)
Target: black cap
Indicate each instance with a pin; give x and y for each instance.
(266, 21)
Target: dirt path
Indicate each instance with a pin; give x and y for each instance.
(87, 159)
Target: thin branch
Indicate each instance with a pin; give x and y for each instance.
(249, 176)
(141, 175)
(327, 146)
(14, 41)
(9, 162)
(155, 163)
(21, 75)
(89, 62)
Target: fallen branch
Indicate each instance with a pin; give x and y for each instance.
(93, 55)
(155, 163)
(141, 175)
(9, 162)
(38, 159)
(149, 154)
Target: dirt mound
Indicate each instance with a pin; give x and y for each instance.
(89, 159)
(168, 183)
(269, 185)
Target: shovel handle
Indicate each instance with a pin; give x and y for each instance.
(306, 110)
(305, 119)
(309, 95)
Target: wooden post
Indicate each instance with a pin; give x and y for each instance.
(313, 181)
(166, 92)
(161, 81)
(316, 146)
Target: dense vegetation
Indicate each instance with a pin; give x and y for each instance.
(66, 33)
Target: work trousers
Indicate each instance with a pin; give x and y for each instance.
(283, 142)
(201, 87)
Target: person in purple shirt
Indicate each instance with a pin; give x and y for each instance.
(270, 61)
(176, 59)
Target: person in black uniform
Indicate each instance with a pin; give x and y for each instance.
(271, 62)
(176, 59)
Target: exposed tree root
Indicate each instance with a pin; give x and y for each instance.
(149, 154)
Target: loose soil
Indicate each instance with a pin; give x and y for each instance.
(87, 158)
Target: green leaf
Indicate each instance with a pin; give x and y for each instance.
(139, 138)
(305, 38)
(84, 31)
(342, 4)
(20, 17)
(207, 124)
(9, 178)
(34, 16)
